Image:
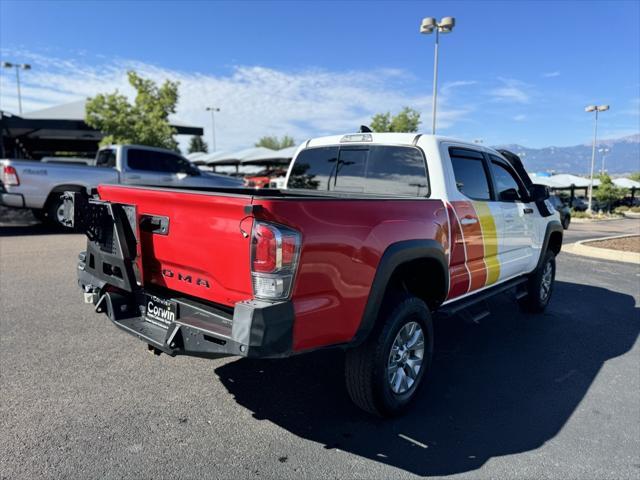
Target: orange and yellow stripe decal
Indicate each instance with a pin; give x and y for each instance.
(490, 240)
(474, 228)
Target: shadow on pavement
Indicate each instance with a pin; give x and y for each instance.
(505, 386)
(34, 229)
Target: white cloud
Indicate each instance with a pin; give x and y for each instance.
(254, 100)
(511, 90)
(551, 74)
(450, 86)
(520, 117)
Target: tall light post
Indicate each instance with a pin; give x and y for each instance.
(18, 67)
(603, 152)
(213, 111)
(428, 26)
(596, 109)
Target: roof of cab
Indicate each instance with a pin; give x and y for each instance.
(390, 139)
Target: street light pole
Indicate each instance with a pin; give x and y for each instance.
(435, 84)
(213, 111)
(596, 109)
(428, 26)
(17, 66)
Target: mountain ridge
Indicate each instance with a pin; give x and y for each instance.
(623, 156)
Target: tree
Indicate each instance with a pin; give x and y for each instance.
(407, 120)
(197, 144)
(607, 192)
(635, 176)
(145, 122)
(276, 144)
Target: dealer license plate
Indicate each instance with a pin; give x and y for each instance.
(160, 311)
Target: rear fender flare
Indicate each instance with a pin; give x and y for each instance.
(394, 256)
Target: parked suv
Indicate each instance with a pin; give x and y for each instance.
(374, 235)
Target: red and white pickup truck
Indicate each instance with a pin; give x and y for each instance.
(374, 234)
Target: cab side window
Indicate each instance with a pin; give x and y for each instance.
(470, 173)
(507, 186)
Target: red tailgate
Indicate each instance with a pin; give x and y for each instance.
(204, 253)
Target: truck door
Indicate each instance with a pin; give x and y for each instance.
(146, 167)
(476, 224)
(517, 218)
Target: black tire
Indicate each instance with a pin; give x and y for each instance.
(537, 299)
(566, 221)
(53, 207)
(367, 366)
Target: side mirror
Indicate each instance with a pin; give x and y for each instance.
(538, 193)
(509, 195)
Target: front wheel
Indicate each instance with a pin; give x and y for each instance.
(384, 374)
(540, 285)
(566, 221)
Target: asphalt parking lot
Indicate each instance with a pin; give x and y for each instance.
(516, 396)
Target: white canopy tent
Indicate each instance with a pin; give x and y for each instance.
(544, 180)
(626, 183)
(566, 180)
(273, 157)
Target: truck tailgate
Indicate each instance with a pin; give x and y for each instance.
(203, 253)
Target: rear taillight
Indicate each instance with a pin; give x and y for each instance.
(274, 258)
(10, 176)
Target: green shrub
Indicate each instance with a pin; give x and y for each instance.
(576, 214)
(635, 209)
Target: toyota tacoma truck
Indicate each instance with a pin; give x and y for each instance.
(40, 185)
(374, 235)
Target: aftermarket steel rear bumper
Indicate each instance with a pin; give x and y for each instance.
(252, 329)
(110, 279)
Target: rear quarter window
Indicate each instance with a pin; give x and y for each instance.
(374, 169)
(470, 173)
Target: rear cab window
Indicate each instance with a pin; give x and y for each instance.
(366, 169)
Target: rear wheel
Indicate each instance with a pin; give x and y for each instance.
(55, 212)
(566, 221)
(540, 285)
(384, 374)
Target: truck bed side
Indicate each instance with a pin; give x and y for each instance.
(38, 179)
(343, 242)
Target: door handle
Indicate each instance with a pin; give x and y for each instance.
(528, 210)
(468, 221)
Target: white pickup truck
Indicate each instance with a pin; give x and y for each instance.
(40, 185)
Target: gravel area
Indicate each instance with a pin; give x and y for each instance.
(625, 244)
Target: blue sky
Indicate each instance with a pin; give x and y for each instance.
(511, 72)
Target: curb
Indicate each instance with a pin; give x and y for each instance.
(579, 248)
(596, 220)
(631, 215)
